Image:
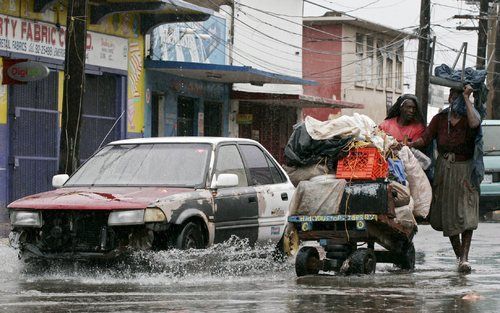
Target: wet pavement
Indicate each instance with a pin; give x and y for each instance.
(236, 278)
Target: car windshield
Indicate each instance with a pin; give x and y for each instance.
(491, 137)
(165, 164)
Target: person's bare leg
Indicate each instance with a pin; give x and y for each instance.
(466, 240)
(457, 246)
(464, 266)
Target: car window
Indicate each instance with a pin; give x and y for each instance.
(491, 137)
(260, 173)
(229, 162)
(172, 164)
(278, 176)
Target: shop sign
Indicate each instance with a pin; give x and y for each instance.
(48, 40)
(244, 119)
(28, 71)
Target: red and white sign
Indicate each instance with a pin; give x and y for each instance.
(46, 40)
(28, 71)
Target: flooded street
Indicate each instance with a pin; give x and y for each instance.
(236, 278)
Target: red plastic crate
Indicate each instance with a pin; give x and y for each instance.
(362, 164)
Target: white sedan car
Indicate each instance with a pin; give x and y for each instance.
(156, 193)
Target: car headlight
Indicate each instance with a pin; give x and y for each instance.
(26, 218)
(154, 215)
(130, 217)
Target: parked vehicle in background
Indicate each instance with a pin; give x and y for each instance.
(156, 193)
(490, 187)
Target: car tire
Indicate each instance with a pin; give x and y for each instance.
(190, 237)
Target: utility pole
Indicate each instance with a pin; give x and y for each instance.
(495, 103)
(482, 30)
(423, 62)
(482, 35)
(74, 84)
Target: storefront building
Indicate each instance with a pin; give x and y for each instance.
(181, 100)
(114, 95)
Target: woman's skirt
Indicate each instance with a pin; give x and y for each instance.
(455, 202)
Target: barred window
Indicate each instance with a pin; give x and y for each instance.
(358, 71)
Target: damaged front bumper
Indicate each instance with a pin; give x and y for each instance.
(83, 236)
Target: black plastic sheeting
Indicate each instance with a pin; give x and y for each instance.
(302, 150)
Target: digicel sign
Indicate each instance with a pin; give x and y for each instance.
(28, 71)
(47, 40)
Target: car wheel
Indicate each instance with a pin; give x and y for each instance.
(190, 237)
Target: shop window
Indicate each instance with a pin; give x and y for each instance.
(185, 116)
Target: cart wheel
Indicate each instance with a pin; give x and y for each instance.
(307, 261)
(407, 258)
(363, 261)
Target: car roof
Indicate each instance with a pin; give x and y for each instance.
(491, 122)
(184, 139)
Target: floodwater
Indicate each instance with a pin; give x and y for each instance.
(236, 278)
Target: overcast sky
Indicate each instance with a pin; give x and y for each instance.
(405, 13)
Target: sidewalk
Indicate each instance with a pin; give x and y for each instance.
(4, 230)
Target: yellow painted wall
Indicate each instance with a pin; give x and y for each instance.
(123, 25)
(136, 85)
(3, 98)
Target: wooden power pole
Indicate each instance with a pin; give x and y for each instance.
(423, 62)
(482, 34)
(495, 103)
(74, 84)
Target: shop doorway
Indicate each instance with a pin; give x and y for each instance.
(185, 116)
(212, 119)
(33, 136)
(157, 114)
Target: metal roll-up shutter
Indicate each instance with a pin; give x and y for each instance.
(33, 136)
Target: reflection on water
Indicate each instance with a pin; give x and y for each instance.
(233, 277)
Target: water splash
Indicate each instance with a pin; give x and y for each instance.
(235, 259)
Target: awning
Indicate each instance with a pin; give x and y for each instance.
(223, 73)
(299, 101)
(151, 13)
(212, 4)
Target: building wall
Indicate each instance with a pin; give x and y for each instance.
(254, 47)
(376, 98)
(322, 62)
(171, 87)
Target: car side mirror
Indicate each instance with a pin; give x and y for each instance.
(59, 180)
(226, 180)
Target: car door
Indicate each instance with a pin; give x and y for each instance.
(274, 191)
(236, 208)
